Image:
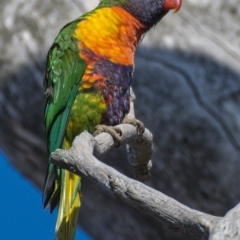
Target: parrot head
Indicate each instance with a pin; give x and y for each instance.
(148, 12)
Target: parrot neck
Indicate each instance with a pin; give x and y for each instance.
(112, 33)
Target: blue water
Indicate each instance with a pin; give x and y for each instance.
(21, 214)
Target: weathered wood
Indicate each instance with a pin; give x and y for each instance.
(80, 160)
(228, 227)
(187, 84)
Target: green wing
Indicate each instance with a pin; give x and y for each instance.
(63, 73)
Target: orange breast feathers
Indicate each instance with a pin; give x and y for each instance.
(112, 33)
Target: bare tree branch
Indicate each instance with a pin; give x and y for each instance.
(228, 228)
(80, 160)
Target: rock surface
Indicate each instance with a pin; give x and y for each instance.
(187, 84)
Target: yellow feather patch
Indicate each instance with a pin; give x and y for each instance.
(69, 206)
(111, 33)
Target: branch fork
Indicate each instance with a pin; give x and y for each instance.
(81, 159)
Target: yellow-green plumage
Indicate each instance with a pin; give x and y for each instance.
(85, 114)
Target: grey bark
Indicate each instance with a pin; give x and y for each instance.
(228, 227)
(80, 160)
(187, 84)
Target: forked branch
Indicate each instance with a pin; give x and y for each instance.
(81, 159)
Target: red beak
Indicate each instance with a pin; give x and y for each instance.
(172, 4)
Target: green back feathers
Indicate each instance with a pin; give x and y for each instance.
(63, 74)
(108, 3)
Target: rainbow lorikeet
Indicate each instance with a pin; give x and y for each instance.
(87, 80)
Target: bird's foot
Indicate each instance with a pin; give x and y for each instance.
(136, 123)
(115, 132)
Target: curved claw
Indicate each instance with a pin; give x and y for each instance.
(140, 128)
(115, 132)
(136, 123)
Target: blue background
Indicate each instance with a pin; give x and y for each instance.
(21, 213)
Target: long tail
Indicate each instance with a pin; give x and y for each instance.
(70, 201)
